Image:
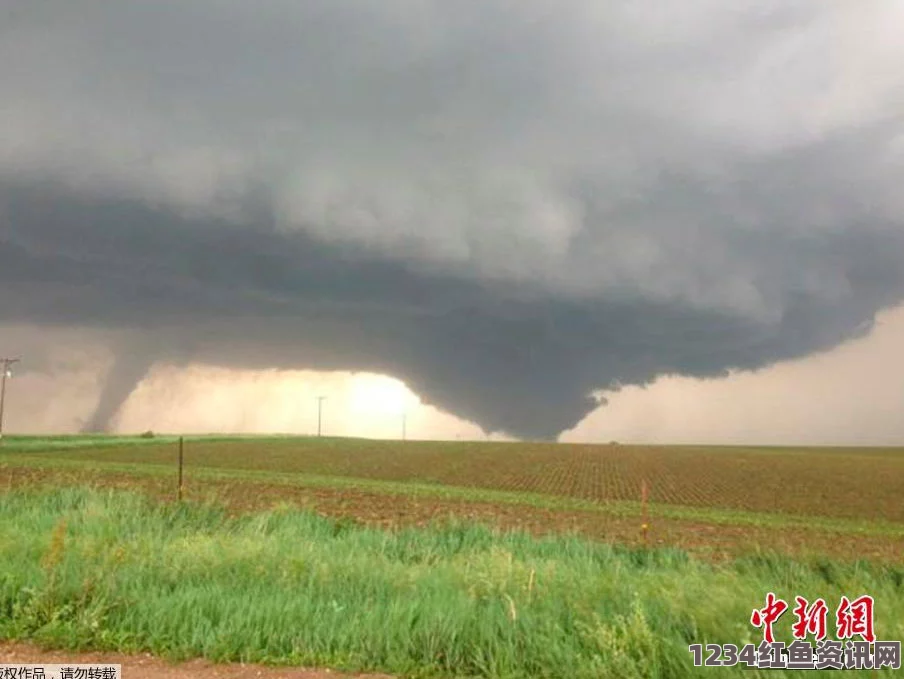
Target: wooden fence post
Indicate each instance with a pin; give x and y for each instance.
(180, 468)
(645, 526)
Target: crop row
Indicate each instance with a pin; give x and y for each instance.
(844, 484)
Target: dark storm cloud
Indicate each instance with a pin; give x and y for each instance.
(507, 206)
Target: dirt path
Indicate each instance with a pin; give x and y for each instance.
(146, 666)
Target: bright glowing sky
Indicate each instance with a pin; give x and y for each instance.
(853, 394)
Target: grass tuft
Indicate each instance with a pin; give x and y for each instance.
(89, 568)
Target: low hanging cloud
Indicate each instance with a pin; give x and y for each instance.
(510, 206)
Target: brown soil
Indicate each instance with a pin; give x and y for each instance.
(146, 666)
(392, 511)
(850, 483)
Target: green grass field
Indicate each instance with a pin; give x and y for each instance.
(110, 570)
(700, 497)
(436, 559)
(843, 483)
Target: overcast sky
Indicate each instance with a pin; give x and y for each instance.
(512, 207)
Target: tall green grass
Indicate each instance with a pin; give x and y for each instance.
(86, 568)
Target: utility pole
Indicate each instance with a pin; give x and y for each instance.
(404, 424)
(320, 400)
(7, 364)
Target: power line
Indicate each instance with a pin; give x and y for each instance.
(7, 364)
